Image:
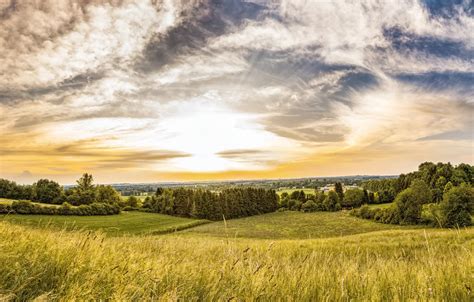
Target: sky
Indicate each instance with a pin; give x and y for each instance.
(184, 90)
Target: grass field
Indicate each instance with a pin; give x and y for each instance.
(132, 223)
(391, 265)
(140, 197)
(289, 191)
(292, 225)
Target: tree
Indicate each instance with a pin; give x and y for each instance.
(339, 190)
(331, 203)
(353, 198)
(84, 192)
(421, 191)
(159, 191)
(107, 194)
(309, 206)
(407, 210)
(85, 182)
(47, 191)
(409, 202)
(457, 207)
(447, 187)
(132, 201)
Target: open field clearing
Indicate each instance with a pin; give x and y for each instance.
(292, 225)
(378, 266)
(289, 191)
(132, 223)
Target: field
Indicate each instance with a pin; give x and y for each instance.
(292, 225)
(346, 259)
(289, 191)
(140, 197)
(131, 223)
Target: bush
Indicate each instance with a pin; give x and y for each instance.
(309, 206)
(457, 207)
(27, 207)
(331, 202)
(5, 209)
(23, 207)
(353, 198)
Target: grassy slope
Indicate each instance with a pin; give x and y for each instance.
(379, 266)
(292, 225)
(125, 223)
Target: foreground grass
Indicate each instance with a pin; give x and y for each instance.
(132, 223)
(391, 265)
(292, 225)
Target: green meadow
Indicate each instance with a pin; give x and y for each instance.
(126, 223)
(290, 256)
(289, 190)
(292, 225)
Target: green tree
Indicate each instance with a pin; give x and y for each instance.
(132, 201)
(409, 202)
(421, 191)
(107, 194)
(309, 206)
(331, 202)
(47, 191)
(447, 187)
(353, 198)
(457, 207)
(85, 183)
(339, 190)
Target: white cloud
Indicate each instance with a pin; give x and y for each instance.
(102, 36)
(348, 32)
(397, 114)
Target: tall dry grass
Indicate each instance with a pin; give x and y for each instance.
(400, 265)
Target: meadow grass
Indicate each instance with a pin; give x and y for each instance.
(132, 223)
(393, 265)
(139, 197)
(292, 225)
(289, 191)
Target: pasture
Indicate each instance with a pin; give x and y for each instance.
(126, 223)
(292, 225)
(289, 190)
(383, 265)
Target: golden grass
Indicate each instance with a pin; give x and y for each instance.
(398, 265)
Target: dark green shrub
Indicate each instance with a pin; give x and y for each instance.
(457, 207)
(309, 206)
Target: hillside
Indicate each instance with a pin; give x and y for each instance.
(381, 265)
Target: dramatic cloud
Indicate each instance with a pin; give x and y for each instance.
(162, 89)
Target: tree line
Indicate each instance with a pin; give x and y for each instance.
(436, 176)
(83, 199)
(446, 191)
(318, 201)
(27, 207)
(206, 204)
(51, 192)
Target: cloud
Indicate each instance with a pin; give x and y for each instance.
(62, 40)
(214, 87)
(345, 32)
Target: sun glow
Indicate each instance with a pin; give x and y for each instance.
(206, 133)
(208, 138)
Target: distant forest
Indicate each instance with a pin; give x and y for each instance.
(271, 184)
